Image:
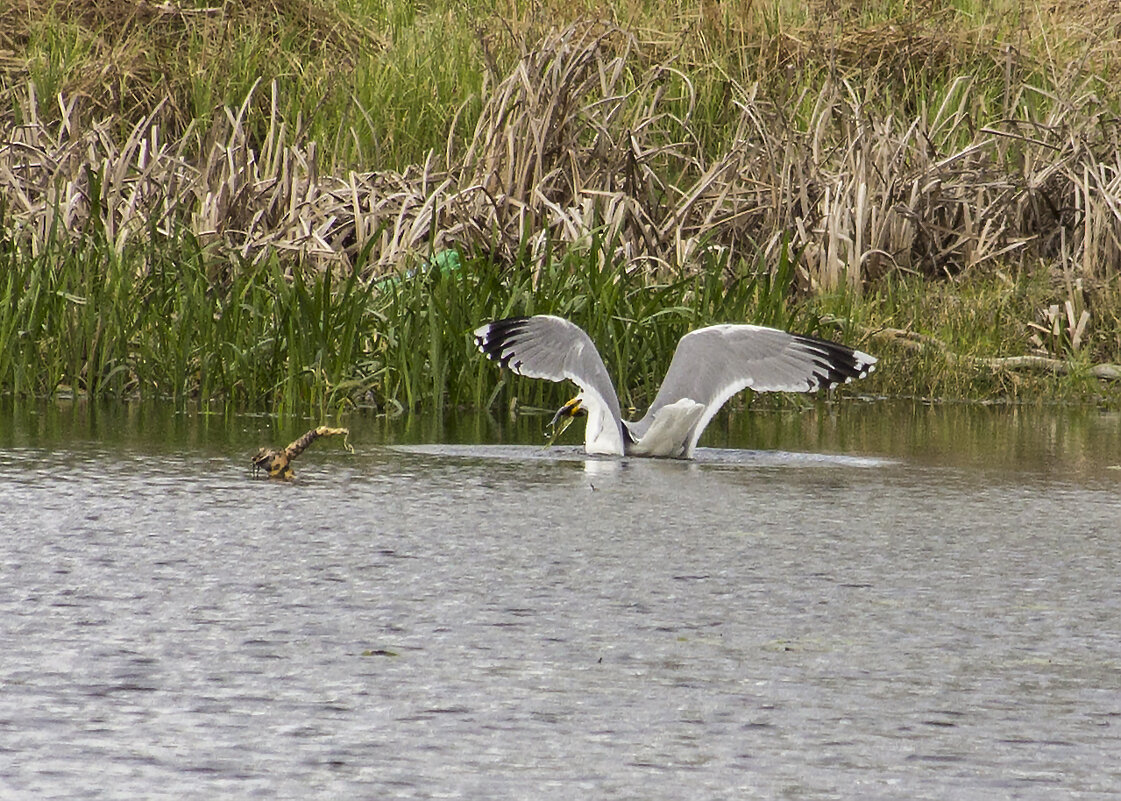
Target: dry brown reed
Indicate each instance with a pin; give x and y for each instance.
(590, 135)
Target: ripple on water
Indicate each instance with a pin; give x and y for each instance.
(514, 622)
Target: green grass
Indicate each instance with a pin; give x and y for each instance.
(374, 83)
(381, 83)
(154, 323)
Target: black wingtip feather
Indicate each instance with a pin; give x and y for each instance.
(497, 336)
(837, 363)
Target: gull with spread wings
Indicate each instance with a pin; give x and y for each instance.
(709, 366)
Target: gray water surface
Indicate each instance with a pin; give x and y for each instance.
(877, 602)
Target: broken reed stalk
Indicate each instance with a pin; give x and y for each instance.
(587, 135)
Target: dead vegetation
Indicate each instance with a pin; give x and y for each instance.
(588, 135)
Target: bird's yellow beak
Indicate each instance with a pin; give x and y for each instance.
(563, 419)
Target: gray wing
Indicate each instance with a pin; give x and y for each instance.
(712, 364)
(552, 348)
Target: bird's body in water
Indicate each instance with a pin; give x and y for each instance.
(709, 366)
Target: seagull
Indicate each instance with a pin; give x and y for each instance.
(709, 366)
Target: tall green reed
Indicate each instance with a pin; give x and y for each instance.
(170, 320)
(167, 320)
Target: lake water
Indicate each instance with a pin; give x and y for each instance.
(870, 600)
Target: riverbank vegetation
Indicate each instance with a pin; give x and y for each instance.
(310, 204)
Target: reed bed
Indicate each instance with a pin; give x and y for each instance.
(586, 135)
(599, 163)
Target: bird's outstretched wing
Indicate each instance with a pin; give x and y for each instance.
(712, 364)
(552, 348)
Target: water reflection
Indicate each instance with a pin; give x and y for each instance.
(1041, 439)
